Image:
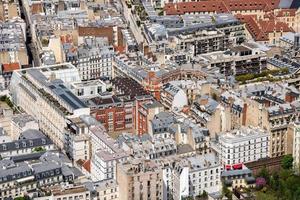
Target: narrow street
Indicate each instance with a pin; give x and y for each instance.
(32, 52)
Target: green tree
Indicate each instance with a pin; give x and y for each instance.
(226, 192)
(287, 162)
(39, 149)
(204, 195)
(264, 174)
(22, 198)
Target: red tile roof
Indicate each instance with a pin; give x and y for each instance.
(202, 6)
(10, 67)
(87, 165)
(261, 28)
(236, 5)
(286, 13)
(220, 6)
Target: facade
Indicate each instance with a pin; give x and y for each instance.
(88, 89)
(175, 179)
(115, 113)
(173, 97)
(105, 153)
(77, 141)
(242, 59)
(204, 174)
(243, 145)
(237, 178)
(63, 192)
(107, 190)
(274, 113)
(48, 100)
(21, 123)
(92, 61)
(140, 179)
(25, 146)
(23, 178)
(296, 145)
(13, 49)
(9, 10)
(203, 41)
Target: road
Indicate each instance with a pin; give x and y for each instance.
(31, 50)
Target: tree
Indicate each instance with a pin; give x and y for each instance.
(287, 162)
(226, 192)
(39, 149)
(264, 174)
(204, 195)
(260, 182)
(22, 198)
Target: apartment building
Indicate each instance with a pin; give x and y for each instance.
(159, 125)
(173, 97)
(41, 94)
(13, 52)
(116, 113)
(202, 41)
(107, 190)
(251, 7)
(59, 192)
(207, 111)
(7, 71)
(26, 146)
(17, 179)
(77, 141)
(237, 178)
(88, 89)
(92, 60)
(9, 9)
(151, 76)
(147, 147)
(140, 179)
(204, 174)
(266, 31)
(21, 123)
(175, 178)
(273, 108)
(236, 107)
(146, 109)
(192, 88)
(105, 152)
(242, 145)
(238, 60)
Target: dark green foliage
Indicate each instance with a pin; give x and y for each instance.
(226, 192)
(282, 185)
(287, 162)
(39, 149)
(260, 76)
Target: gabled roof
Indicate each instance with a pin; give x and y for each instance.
(220, 6)
(259, 29)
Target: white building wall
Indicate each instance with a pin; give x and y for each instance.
(180, 100)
